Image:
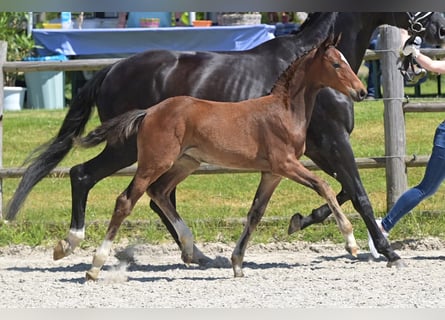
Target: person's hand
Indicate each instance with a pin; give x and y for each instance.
(412, 47)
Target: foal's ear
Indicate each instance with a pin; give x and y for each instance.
(337, 39)
(332, 40)
(328, 41)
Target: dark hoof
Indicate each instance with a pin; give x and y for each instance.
(400, 263)
(200, 258)
(203, 262)
(294, 224)
(187, 258)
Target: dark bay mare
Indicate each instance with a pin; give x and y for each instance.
(266, 134)
(150, 77)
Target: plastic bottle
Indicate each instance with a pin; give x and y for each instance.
(67, 23)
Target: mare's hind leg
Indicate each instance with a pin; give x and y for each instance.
(299, 222)
(125, 203)
(264, 192)
(298, 173)
(163, 187)
(83, 178)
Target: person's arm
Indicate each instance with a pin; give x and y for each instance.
(425, 62)
(429, 64)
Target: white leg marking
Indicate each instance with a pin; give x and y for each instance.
(102, 254)
(75, 237)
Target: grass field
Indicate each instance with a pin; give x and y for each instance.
(212, 205)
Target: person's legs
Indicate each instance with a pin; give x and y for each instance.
(373, 68)
(370, 87)
(434, 176)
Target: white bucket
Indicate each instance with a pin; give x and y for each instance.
(14, 98)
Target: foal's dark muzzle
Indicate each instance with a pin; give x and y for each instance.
(358, 95)
(441, 33)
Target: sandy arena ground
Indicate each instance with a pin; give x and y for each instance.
(282, 275)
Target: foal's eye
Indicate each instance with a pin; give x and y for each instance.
(336, 65)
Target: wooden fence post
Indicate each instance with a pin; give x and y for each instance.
(394, 121)
(3, 49)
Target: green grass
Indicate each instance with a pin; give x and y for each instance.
(212, 205)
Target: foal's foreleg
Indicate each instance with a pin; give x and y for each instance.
(124, 205)
(297, 172)
(267, 186)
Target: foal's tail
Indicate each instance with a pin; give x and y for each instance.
(45, 158)
(115, 130)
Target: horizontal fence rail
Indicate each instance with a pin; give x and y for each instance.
(68, 65)
(362, 163)
(424, 107)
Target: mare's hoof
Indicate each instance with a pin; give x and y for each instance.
(61, 250)
(238, 272)
(92, 275)
(200, 258)
(202, 261)
(187, 258)
(400, 263)
(237, 263)
(294, 224)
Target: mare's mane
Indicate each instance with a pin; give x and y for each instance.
(283, 81)
(312, 32)
(313, 21)
(307, 22)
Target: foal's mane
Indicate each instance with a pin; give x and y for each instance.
(283, 81)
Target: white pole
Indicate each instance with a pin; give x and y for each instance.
(192, 17)
(30, 23)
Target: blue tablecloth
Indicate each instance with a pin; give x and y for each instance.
(78, 42)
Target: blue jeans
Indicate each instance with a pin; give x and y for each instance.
(434, 175)
(374, 71)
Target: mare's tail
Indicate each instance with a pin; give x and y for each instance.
(115, 130)
(45, 158)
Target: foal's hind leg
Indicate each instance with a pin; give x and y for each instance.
(297, 172)
(267, 186)
(163, 187)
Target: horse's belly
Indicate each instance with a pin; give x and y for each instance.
(229, 159)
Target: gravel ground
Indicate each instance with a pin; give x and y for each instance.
(281, 275)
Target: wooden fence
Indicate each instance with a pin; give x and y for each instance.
(395, 161)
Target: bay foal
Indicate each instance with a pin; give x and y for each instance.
(266, 134)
